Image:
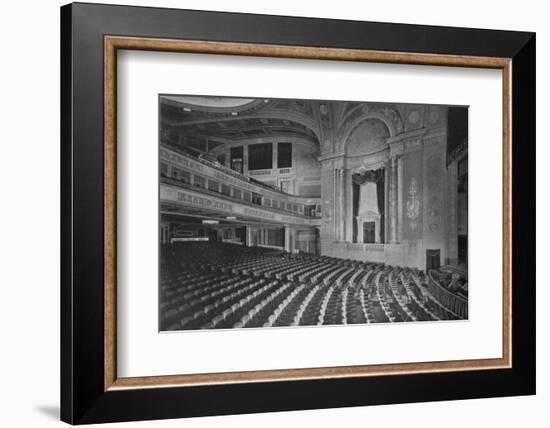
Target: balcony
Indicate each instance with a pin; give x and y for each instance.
(184, 198)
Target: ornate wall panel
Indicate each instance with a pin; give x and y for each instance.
(412, 195)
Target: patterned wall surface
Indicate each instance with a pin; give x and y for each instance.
(412, 195)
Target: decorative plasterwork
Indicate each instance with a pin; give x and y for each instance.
(301, 106)
(384, 112)
(195, 110)
(263, 116)
(369, 165)
(458, 153)
(324, 117)
(407, 142)
(413, 204)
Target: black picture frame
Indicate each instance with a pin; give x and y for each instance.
(83, 397)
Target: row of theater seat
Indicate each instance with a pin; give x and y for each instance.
(217, 285)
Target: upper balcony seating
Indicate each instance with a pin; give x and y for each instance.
(216, 285)
(204, 159)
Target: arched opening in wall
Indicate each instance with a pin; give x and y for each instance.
(366, 146)
(368, 207)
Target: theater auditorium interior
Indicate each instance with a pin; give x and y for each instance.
(289, 212)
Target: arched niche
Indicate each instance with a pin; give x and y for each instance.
(366, 152)
(367, 137)
(356, 116)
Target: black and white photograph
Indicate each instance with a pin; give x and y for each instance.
(246, 214)
(304, 212)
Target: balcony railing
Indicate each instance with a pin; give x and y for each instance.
(214, 164)
(260, 172)
(186, 185)
(456, 304)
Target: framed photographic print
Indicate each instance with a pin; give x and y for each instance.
(265, 213)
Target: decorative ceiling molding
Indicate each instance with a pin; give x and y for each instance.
(327, 123)
(194, 108)
(358, 112)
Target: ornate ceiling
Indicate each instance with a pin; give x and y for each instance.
(237, 119)
(221, 120)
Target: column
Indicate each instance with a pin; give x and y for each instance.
(349, 206)
(399, 199)
(287, 239)
(387, 202)
(342, 204)
(248, 238)
(245, 159)
(335, 204)
(227, 152)
(275, 151)
(393, 199)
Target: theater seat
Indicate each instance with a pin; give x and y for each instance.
(215, 285)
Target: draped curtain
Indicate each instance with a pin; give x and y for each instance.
(356, 195)
(372, 176)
